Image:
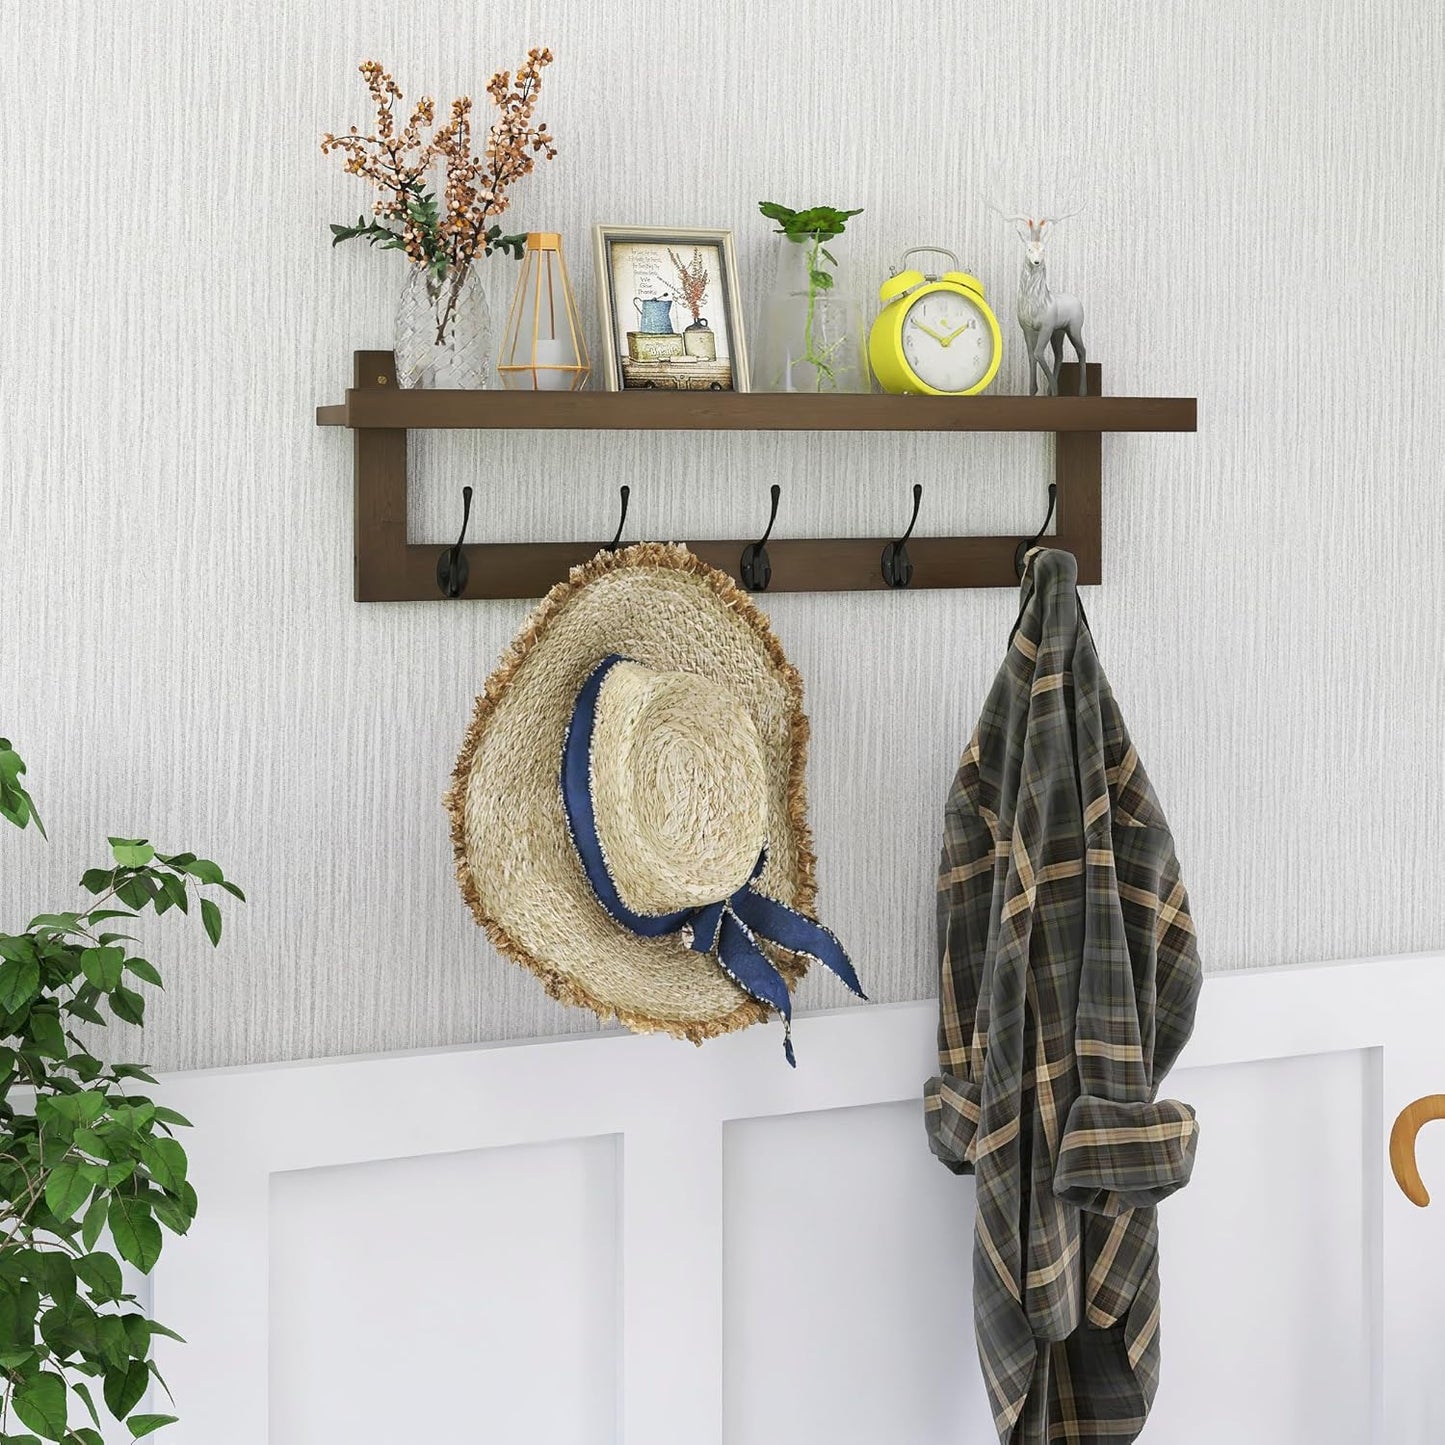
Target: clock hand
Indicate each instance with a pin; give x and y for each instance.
(954, 335)
(928, 331)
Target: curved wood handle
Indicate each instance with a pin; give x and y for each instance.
(1402, 1145)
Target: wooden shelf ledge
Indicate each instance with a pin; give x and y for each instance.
(389, 407)
(389, 567)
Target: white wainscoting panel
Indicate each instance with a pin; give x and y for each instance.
(408, 1297)
(847, 1276)
(1266, 1324)
(628, 1241)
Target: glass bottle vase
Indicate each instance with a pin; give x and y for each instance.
(443, 330)
(812, 336)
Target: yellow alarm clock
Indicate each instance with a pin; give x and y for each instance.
(935, 334)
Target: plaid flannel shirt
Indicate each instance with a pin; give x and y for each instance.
(1069, 977)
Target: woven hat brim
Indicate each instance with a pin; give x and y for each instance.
(516, 864)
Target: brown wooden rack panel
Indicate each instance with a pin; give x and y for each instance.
(389, 568)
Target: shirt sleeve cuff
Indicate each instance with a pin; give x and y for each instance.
(951, 1111)
(1115, 1157)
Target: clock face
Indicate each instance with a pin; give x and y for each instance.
(947, 341)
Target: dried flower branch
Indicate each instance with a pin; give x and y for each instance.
(447, 236)
(692, 280)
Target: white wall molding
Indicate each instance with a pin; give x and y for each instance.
(1291, 1056)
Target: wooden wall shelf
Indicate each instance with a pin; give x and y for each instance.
(389, 568)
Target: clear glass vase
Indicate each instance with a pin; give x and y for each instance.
(443, 330)
(812, 336)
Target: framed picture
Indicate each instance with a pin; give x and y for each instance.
(671, 309)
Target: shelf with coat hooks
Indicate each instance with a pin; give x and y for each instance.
(390, 568)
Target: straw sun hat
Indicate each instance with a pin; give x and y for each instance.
(628, 811)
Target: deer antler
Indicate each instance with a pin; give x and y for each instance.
(1054, 220)
(1027, 220)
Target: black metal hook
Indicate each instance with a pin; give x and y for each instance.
(897, 564)
(621, 521)
(755, 567)
(452, 569)
(1023, 548)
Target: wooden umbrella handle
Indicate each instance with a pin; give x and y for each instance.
(1402, 1145)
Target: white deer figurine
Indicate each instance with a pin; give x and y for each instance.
(1045, 316)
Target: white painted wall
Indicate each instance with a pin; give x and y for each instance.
(179, 653)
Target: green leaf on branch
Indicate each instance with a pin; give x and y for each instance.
(126, 1004)
(15, 803)
(211, 917)
(101, 1274)
(131, 852)
(66, 1189)
(103, 966)
(39, 1401)
(147, 1424)
(19, 983)
(125, 1387)
(93, 1225)
(47, 1035)
(371, 231)
(82, 1391)
(817, 223)
(145, 971)
(137, 1236)
(166, 1161)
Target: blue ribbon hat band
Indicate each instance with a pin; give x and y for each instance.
(729, 928)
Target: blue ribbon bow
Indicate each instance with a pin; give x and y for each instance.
(729, 928)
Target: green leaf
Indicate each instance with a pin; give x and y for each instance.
(94, 1222)
(131, 852)
(145, 1424)
(166, 1161)
(103, 966)
(19, 1305)
(97, 880)
(15, 803)
(48, 1036)
(136, 891)
(169, 1116)
(19, 983)
(231, 887)
(39, 1401)
(54, 1273)
(211, 917)
(134, 1071)
(127, 1004)
(137, 1236)
(158, 1329)
(54, 922)
(145, 971)
(66, 1189)
(175, 891)
(102, 1275)
(125, 1387)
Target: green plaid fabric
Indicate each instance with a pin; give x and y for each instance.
(1068, 981)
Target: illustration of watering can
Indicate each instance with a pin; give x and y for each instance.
(655, 314)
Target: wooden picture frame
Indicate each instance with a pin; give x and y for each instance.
(671, 309)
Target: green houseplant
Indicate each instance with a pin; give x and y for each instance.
(90, 1172)
(812, 332)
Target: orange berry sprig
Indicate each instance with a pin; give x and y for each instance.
(406, 215)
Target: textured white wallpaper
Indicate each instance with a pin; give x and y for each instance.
(179, 652)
